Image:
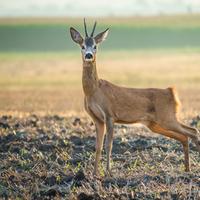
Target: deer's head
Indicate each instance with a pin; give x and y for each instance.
(89, 44)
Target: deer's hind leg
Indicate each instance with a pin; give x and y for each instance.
(192, 133)
(178, 127)
(183, 139)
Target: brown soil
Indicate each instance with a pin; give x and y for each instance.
(52, 157)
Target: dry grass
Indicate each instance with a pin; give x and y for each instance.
(51, 83)
(126, 68)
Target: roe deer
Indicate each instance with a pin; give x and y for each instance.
(107, 103)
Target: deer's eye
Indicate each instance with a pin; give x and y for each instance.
(82, 47)
(95, 47)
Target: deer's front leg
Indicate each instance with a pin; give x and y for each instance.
(100, 127)
(109, 140)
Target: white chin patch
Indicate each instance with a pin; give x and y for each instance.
(88, 60)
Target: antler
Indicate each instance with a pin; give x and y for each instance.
(93, 29)
(86, 34)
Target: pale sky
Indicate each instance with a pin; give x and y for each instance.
(88, 8)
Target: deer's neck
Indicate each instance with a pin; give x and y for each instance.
(90, 78)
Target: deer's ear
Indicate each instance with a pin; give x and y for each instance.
(76, 36)
(101, 36)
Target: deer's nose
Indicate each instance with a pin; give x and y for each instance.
(88, 56)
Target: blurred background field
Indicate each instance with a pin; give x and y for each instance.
(132, 33)
(41, 67)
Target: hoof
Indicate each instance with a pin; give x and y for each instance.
(94, 173)
(109, 174)
(187, 170)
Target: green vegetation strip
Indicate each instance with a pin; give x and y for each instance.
(139, 33)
